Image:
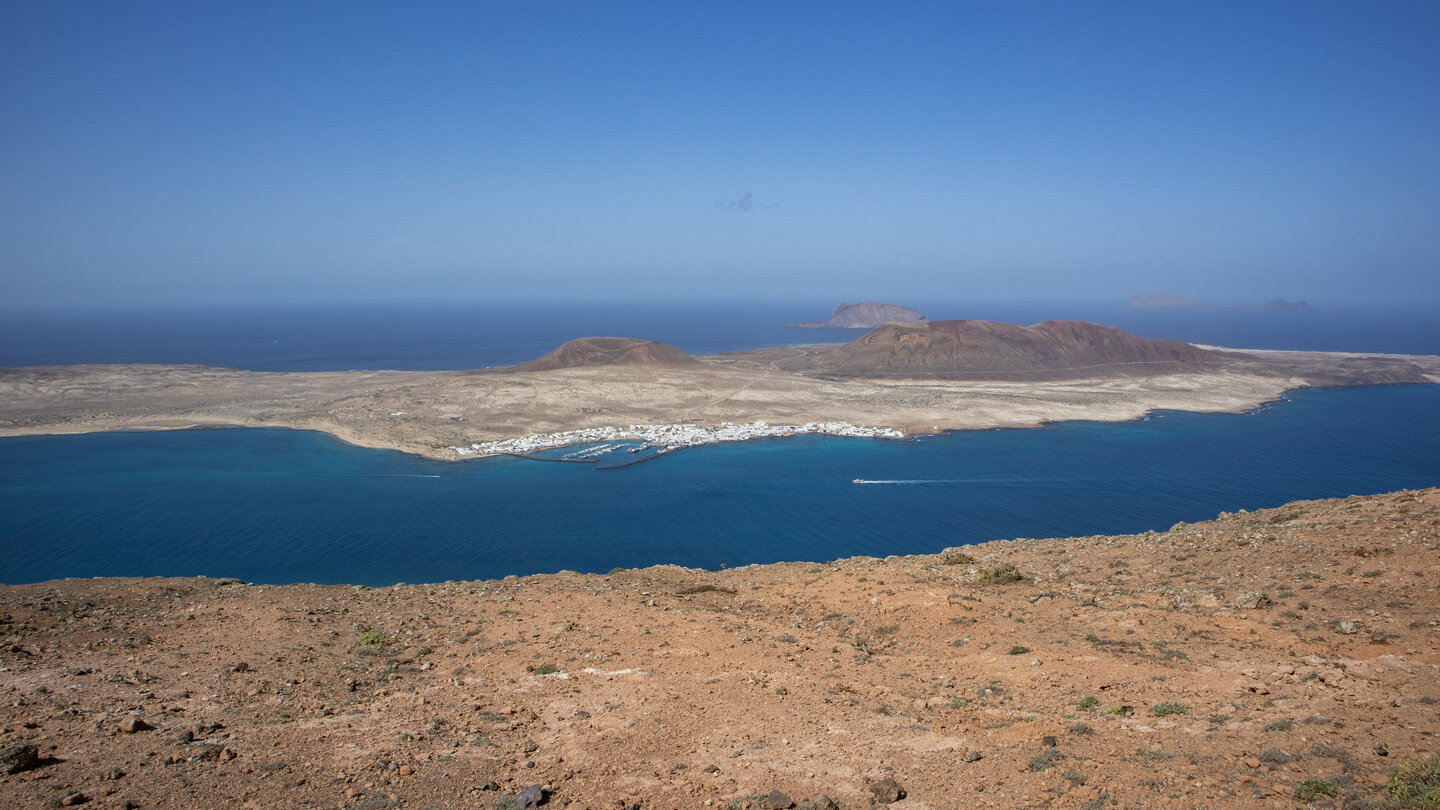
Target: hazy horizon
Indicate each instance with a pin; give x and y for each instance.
(180, 154)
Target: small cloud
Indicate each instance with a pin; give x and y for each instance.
(747, 204)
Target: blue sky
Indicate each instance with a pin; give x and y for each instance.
(268, 151)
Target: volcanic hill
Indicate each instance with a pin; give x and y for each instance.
(607, 351)
(993, 350)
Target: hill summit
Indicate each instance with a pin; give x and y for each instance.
(608, 351)
(994, 350)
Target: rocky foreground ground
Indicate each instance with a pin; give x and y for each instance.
(1280, 658)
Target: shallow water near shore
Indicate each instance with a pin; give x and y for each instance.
(280, 506)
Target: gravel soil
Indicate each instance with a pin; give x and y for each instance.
(1281, 658)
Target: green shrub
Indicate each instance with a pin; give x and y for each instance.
(1088, 702)
(545, 669)
(374, 638)
(1415, 784)
(1312, 789)
(1168, 708)
(1018, 650)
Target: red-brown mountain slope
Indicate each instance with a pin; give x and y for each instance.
(993, 350)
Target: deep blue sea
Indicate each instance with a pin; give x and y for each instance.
(284, 506)
(476, 335)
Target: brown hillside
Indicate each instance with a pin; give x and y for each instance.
(1284, 658)
(993, 350)
(608, 351)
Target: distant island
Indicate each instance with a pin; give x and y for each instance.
(864, 315)
(1184, 303)
(898, 379)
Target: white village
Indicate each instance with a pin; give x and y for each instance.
(667, 438)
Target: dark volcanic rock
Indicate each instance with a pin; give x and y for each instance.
(990, 350)
(19, 757)
(775, 800)
(532, 796)
(134, 724)
(886, 791)
(865, 315)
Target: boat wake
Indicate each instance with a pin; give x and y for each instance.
(949, 480)
(912, 481)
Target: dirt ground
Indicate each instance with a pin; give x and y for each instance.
(1281, 658)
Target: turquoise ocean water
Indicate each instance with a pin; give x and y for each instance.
(285, 506)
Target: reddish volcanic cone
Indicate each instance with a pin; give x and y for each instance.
(993, 350)
(609, 351)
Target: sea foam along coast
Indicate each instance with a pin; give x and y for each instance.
(673, 437)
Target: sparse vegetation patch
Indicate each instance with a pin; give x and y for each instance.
(1312, 789)
(955, 556)
(690, 590)
(1415, 784)
(1002, 574)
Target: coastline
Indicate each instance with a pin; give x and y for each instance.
(430, 414)
(416, 412)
